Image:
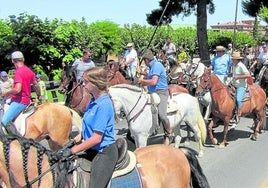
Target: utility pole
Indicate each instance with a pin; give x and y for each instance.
(234, 36)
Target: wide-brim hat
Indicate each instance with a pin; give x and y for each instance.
(236, 55)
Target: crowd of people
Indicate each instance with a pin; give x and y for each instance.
(97, 138)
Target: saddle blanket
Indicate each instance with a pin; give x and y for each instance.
(130, 180)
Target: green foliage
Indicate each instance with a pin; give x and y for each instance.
(46, 44)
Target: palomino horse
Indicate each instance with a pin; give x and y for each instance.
(26, 163)
(49, 120)
(77, 97)
(140, 110)
(224, 105)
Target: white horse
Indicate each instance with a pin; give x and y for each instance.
(136, 104)
(196, 70)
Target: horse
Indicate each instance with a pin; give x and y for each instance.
(173, 69)
(224, 105)
(26, 163)
(50, 121)
(193, 73)
(264, 79)
(140, 111)
(77, 97)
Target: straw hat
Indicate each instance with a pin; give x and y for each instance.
(236, 55)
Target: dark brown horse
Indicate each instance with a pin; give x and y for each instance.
(77, 97)
(224, 105)
(25, 163)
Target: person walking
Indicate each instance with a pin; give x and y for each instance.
(83, 63)
(98, 124)
(221, 64)
(240, 76)
(20, 93)
(156, 82)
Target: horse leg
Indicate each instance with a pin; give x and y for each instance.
(210, 130)
(197, 135)
(258, 120)
(225, 132)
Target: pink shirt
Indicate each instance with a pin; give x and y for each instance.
(25, 76)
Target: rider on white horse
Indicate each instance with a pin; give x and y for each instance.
(157, 83)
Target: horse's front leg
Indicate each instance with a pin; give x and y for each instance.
(210, 130)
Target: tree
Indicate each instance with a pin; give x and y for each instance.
(186, 7)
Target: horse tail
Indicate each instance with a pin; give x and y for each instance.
(201, 124)
(198, 178)
(76, 120)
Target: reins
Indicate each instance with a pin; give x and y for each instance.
(40, 176)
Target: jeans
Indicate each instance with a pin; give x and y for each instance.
(12, 112)
(240, 92)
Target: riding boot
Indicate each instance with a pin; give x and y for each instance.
(11, 129)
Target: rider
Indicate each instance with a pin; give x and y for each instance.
(130, 60)
(97, 129)
(157, 82)
(20, 92)
(240, 76)
(221, 64)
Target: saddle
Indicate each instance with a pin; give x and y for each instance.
(20, 121)
(125, 167)
(232, 91)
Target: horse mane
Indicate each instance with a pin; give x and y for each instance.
(61, 170)
(128, 86)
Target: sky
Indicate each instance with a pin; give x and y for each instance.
(118, 11)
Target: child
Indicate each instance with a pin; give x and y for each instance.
(42, 86)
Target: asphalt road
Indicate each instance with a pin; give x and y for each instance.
(243, 163)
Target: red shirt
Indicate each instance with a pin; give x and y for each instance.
(25, 76)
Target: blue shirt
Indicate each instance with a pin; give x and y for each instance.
(221, 64)
(158, 69)
(99, 116)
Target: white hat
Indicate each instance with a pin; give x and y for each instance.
(129, 44)
(17, 55)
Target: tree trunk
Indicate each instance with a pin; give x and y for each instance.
(202, 36)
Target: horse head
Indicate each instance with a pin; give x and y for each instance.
(205, 82)
(68, 76)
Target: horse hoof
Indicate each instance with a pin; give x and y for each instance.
(186, 143)
(201, 154)
(254, 136)
(214, 141)
(233, 127)
(222, 145)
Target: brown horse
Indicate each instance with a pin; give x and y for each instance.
(77, 97)
(25, 163)
(224, 105)
(50, 121)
